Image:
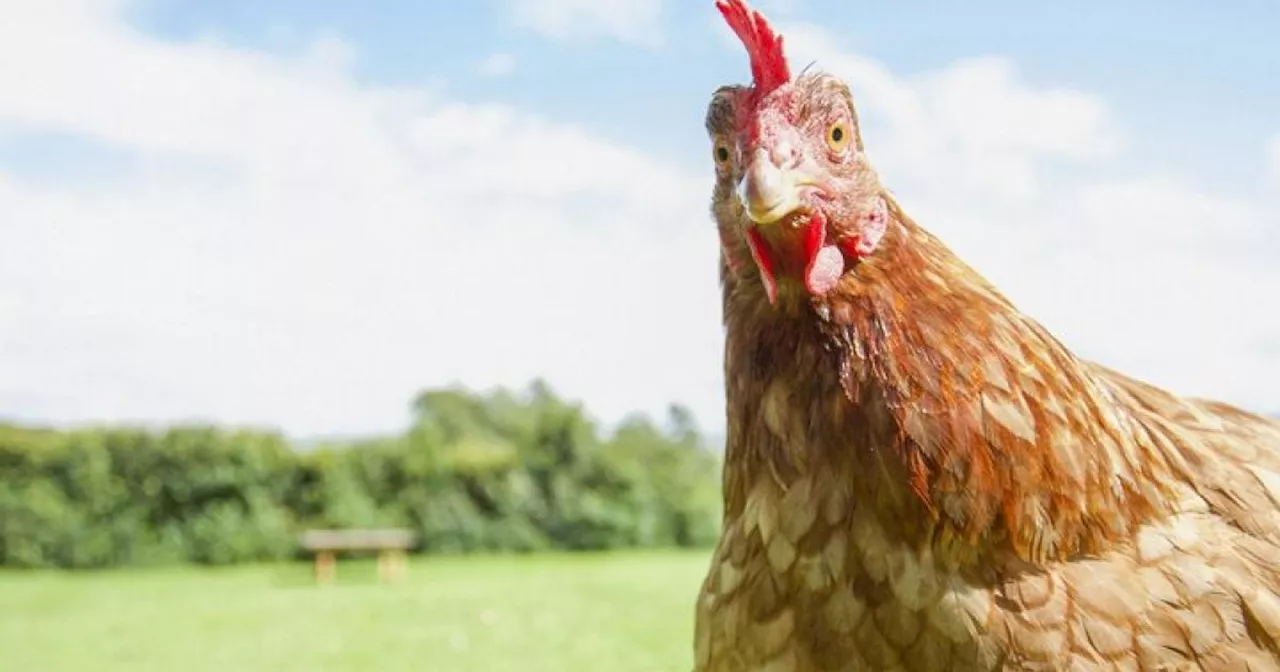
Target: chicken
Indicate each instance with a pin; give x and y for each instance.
(918, 476)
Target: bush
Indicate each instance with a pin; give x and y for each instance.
(498, 472)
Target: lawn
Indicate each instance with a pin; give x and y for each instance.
(629, 612)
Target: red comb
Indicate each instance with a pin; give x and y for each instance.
(769, 68)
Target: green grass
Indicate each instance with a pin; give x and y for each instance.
(628, 612)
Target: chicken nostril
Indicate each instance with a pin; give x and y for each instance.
(784, 154)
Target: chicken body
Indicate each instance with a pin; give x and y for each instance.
(831, 560)
(918, 477)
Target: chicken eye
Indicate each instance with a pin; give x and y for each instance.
(722, 154)
(838, 136)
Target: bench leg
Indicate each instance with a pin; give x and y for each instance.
(400, 564)
(391, 565)
(326, 567)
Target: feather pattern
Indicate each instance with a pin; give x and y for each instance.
(927, 480)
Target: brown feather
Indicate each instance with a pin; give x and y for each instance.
(919, 476)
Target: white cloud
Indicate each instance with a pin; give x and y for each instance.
(292, 246)
(296, 248)
(634, 21)
(499, 64)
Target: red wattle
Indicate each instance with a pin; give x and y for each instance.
(823, 263)
(852, 247)
(760, 252)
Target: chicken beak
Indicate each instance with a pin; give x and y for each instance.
(769, 192)
(773, 192)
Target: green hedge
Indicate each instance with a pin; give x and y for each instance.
(497, 472)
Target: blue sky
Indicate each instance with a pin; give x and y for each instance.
(1166, 66)
(290, 196)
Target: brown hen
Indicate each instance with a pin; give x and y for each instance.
(918, 476)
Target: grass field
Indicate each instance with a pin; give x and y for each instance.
(626, 613)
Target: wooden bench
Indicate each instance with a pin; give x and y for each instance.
(391, 545)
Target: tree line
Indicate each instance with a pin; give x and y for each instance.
(494, 472)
